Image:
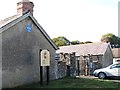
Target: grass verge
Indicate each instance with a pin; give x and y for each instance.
(69, 82)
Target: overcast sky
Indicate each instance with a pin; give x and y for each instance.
(83, 20)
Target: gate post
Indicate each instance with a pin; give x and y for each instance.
(73, 65)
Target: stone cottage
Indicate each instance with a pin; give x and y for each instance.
(93, 55)
(22, 37)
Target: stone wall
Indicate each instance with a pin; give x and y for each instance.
(61, 70)
(66, 65)
(85, 61)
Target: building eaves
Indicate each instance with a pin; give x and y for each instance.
(9, 22)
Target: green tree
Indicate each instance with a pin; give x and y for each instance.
(88, 42)
(61, 41)
(112, 39)
(75, 42)
(82, 42)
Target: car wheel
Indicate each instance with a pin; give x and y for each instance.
(102, 75)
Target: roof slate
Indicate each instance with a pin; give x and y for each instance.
(85, 49)
(10, 21)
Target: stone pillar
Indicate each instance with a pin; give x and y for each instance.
(73, 65)
(90, 64)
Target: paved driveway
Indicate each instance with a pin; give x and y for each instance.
(92, 77)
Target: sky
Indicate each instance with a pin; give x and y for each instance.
(83, 20)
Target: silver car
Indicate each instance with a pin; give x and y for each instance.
(110, 71)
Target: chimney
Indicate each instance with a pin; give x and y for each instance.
(25, 6)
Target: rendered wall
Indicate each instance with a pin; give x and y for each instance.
(20, 56)
(107, 58)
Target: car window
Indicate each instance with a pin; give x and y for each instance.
(116, 65)
(113, 66)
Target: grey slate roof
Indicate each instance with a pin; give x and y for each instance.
(10, 21)
(85, 49)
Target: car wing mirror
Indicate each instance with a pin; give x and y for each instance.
(111, 67)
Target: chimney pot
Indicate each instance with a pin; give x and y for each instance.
(24, 6)
(25, 0)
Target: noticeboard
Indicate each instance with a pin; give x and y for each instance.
(45, 58)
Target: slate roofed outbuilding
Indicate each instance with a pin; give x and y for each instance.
(85, 49)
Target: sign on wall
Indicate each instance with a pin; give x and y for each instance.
(45, 58)
(29, 27)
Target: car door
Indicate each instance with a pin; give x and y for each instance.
(119, 69)
(115, 70)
